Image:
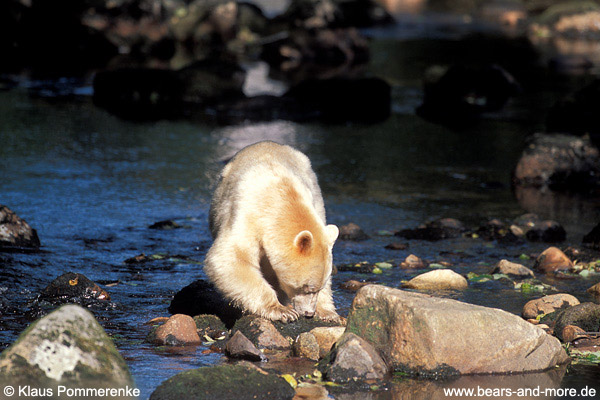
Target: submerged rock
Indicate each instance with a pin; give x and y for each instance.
(577, 113)
(210, 325)
(73, 287)
(548, 304)
(66, 347)
(353, 232)
(201, 297)
(354, 358)
(15, 232)
(165, 225)
(145, 93)
(569, 19)
(509, 268)
(178, 330)
(443, 228)
(592, 238)
(224, 382)
(551, 260)
(431, 336)
(318, 14)
(560, 162)
(547, 231)
(496, 230)
(458, 95)
(239, 346)
(439, 279)
(585, 316)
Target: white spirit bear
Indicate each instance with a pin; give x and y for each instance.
(271, 254)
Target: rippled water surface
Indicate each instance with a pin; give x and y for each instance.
(91, 184)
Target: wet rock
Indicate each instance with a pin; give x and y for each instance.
(584, 315)
(551, 260)
(595, 290)
(306, 345)
(570, 19)
(458, 95)
(496, 230)
(431, 336)
(179, 330)
(547, 231)
(239, 346)
(210, 325)
(319, 14)
(558, 161)
(261, 332)
(145, 93)
(165, 225)
(592, 238)
(201, 297)
(352, 232)
(548, 304)
(15, 232)
(300, 51)
(571, 332)
(397, 246)
(413, 262)
(576, 113)
(291, 330)
(439, 279)
(342, 99)
(333, 100)
(354, 358)
(352, 285)
(66, 347)
(224, 382)
(326, 337)
(443, 228)
(311, 392)
(139, 259)
(72, 287)
(509, 268)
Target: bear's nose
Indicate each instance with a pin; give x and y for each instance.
(309, 314)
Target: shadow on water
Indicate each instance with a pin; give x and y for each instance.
(91, 184)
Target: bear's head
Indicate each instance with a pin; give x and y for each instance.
(306, 268)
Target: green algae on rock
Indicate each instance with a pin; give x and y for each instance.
(224, 382)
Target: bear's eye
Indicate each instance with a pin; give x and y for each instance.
(309, 289)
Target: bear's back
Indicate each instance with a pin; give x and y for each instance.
(250, 169)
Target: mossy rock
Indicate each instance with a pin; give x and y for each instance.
(224, 382)
(207, 324)
(584, 315)
(557, 11)
(67, 347)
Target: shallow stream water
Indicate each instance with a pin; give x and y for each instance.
(91, 184)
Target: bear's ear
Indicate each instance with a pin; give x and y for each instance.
(332, 233)
(303, 241)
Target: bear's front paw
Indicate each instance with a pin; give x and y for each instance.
(330, 316)
(280, 313)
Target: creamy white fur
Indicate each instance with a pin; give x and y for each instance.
(262, 256)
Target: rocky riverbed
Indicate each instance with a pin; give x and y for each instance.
(458, 157)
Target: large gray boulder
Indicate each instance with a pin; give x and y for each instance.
(425, 335)
(66, 348)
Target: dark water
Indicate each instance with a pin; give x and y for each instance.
(91, 184)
